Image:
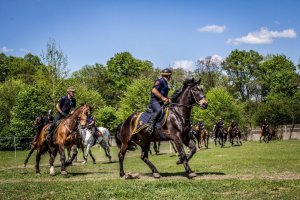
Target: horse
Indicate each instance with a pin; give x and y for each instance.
(220, 135)
(235, 133)
(64, 135)
(176, 128)
(39, 122)
(89, 141)
(202, 137)
(156, 146)
(267, 134)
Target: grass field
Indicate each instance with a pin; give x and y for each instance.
(251, 171)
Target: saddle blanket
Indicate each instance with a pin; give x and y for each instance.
(143, 118)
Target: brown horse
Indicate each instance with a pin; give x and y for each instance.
(267, 134)
(175, 128)
(235, 133)
(202, 137)
(65, 135)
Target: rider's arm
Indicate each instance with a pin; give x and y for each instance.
(157, 93)
(58, 108)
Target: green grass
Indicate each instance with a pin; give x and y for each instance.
(252, 171)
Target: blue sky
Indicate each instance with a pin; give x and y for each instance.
(172, 33)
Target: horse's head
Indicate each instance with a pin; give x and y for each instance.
(83, 115)
(198, 94)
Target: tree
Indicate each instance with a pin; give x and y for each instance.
(29, 104)
(240, 67)
(135, 99)
(209, 69)
(56, 62)
(122, 69)
(220, 105)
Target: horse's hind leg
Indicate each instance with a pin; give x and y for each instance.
(192, 146)
(93, 158)
(62, 159)
(121, 155)
(145, 158)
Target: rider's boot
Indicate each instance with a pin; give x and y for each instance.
(151, 123)
(159, 132)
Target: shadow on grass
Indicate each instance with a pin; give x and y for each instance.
(87, 173)
(110, 162)
(210, 173)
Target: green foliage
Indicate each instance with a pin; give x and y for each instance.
(220, 105)
(136, 98)
(106, 117)
(240, 67)
(9, 91)
(29, 104)
(121, 70)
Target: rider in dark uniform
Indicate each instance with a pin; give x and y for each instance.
(91, 124)
(265, 125)
(219, 125)
(159, 96)
(201, 125)
(63, 108)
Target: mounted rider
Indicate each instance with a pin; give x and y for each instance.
(159, 96)
(92, 126)
(232, 125)
(218, 125)
(265, 125)
(200, 125)
(63, 108)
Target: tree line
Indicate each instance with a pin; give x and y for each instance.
(245, 86)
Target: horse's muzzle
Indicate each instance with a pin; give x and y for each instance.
(204, 105)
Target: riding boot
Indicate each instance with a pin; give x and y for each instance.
(159, 132)
(50, 131)
(151, 123)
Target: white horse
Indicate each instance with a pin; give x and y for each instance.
(89, 141)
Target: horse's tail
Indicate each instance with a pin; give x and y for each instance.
(118, 135)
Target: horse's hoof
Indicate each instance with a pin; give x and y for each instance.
(156, 175)
(64, 173)
(192, 175)
(52, 172)
(38, 173)
(84, 162)
(94, 162)
(122, 174)
(179, 162)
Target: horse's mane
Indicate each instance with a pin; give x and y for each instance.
(178, 92)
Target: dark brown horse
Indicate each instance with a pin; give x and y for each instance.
(267, 134)
(66, 134)
(176, 128)
(235, 133)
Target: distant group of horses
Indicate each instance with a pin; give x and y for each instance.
(176, 128)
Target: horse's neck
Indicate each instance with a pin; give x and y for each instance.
(73, 118)
(185, 109)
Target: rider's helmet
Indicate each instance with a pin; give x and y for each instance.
(166, 72)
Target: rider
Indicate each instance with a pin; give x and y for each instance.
(265, 124)
(40, 122)
(159, 96)
(233, 124)
(219, 124)
(201, 125)
(63, 108)
(91, 124)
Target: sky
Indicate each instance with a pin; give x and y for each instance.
(169, 33)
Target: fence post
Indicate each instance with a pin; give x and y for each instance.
(15, 148)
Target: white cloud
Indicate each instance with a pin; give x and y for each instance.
(187, 65)
(5, 49)
(212, 28)
(263, 36)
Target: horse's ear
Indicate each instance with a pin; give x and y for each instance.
(199, 81)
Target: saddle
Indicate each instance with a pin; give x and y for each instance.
(143, 118)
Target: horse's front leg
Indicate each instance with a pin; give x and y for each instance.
(90, 153)
(192, 146)
(62, 159)
(182, 156)
(121, 156)
(88, 147)
(74, 155)
(145, 158)
(53, 154)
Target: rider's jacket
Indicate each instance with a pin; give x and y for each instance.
(67, 104)
(162, 87)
